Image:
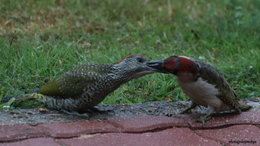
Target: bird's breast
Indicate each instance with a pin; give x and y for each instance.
(201, 92)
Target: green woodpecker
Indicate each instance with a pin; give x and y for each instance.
(88, 84)
(203, 84)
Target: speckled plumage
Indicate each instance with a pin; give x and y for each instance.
(88, 84)
(83, 87)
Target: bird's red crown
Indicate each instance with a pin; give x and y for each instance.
(181, 63)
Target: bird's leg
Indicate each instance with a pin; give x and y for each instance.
(188, 110)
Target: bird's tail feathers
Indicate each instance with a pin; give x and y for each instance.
(21, 100)
(244, 107)
(21, 97)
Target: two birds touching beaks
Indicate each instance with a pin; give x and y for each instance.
(88, 84)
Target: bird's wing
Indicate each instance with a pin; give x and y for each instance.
(213, 76)
(72, 84)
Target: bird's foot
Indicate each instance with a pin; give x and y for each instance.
(204, 118)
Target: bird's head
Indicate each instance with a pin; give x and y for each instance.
(177, 65)
(134, 66)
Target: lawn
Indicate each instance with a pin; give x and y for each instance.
(42, 39)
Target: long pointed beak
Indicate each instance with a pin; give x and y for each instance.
(157, 64)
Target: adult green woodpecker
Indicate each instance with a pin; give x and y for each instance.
(203, 84)
(88, 84)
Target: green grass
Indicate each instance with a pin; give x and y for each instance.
(42, 39)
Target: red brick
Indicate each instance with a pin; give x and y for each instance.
(21, 131)
(148, 123)
(33, 142)
(237, 133)
(77, 128)
(169, 137)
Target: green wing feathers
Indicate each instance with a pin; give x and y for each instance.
(51, 88)
(73, 83)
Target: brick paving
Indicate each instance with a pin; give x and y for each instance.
(242, 129)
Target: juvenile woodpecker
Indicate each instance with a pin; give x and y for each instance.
(88, 84)
(203, 84)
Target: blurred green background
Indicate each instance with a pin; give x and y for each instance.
(42, 39)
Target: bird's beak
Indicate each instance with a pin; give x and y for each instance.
(156, 64)
(144, 70)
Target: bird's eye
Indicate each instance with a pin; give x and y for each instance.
(141, 60)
